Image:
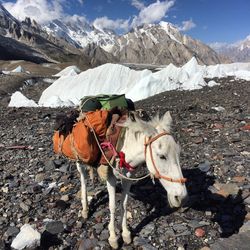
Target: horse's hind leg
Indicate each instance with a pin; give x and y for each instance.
(83, 176)
(111, 185)
(126, 235)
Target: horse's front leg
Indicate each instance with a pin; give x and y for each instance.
(111, 186)
(126, 235)
(83, 176)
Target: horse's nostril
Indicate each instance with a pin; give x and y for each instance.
(176, 198)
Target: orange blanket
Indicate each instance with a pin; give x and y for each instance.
(80, 144)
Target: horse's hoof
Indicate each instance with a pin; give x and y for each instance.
(127, 238)
(85, 215)
(113, 243)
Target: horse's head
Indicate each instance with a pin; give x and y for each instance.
(162, 158)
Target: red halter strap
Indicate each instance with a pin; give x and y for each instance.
(157, 173)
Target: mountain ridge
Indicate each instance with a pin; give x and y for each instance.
(237, 52)
(76, 39)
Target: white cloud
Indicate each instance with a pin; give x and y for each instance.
(218, 45)
(153, 12)
(138, 4)
(44, 11)
(41, 10)
(105, 22)
(187, 25)
(76, 19)
(147, 14)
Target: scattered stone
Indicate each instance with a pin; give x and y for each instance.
(247, 216)
(104, 235)
(246, 127)
(179, 227)
(40, 177)
(218, 109)
(24, 206)
(61, 204)
(87, 244)
(58, 162)
(194, 224)
(204, 167)
(239, 179)
(148, 229)
(64, 168)
(208, 213)
(98, 227)
(199, 232)
(245, 227)
(227, 189)
(236, 241)
(55, 227)
(65, 198)
(181, 248)
(11, 231)
(217, 126)
(198, 140)
(143, 243)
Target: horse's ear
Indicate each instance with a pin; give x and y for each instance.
(137, 125)
(166, 121)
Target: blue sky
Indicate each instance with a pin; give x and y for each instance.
(207, 20)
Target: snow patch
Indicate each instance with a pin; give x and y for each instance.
(137, 85)
(18, 69)
(55, 101)
(19, 100)
(69, 71)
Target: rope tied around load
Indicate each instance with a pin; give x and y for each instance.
(120, 155)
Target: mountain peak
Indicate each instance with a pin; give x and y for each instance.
(168, 25)
(248, 38)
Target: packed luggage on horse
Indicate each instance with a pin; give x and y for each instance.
(80, 133)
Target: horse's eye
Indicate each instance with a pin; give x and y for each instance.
(163, 157)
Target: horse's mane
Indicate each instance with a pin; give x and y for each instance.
(156, 122)
(149, 126)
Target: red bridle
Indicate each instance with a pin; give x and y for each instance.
(157, 173)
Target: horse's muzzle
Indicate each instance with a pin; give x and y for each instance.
(177, 201)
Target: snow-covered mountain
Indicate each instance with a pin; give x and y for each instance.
(151, 43)
(80, 33)
(26, 40)
(161, 44)
(74, 39)
(237, 52)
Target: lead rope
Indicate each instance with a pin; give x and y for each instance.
(121, 175)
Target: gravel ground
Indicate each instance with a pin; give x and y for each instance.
(212, 126)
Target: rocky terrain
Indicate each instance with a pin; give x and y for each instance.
(212, 126)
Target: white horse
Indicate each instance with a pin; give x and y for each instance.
(150, 143)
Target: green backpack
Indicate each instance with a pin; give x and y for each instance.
(92, 103)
